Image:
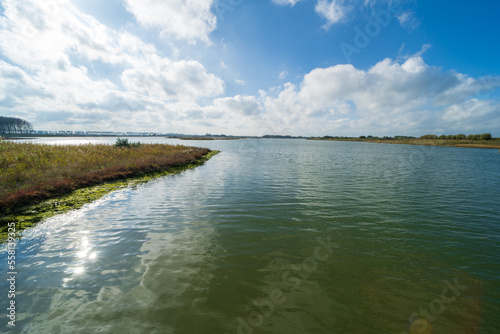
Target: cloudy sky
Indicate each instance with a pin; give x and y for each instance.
(252, 67)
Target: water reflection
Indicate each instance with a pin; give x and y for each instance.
(233, 246)
(84, 255)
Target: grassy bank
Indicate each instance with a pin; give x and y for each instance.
(37, 181)
(492, 143)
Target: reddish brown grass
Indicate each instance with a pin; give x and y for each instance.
(30, 173)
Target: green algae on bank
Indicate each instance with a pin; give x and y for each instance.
(33, 214)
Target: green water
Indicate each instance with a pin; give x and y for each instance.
(276, 236)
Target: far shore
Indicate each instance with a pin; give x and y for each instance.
(210, 138)
(491, 144)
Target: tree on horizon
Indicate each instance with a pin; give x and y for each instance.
(13, 125)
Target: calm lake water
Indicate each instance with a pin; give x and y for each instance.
(276, 236)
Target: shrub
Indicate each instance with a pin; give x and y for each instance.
(442, 137)
(474, 137)
(460, 136)
(486, 136)
(123, 142)
(429, 137)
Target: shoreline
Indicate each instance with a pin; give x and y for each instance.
(493, 144)
(210, 138)
(30, 215)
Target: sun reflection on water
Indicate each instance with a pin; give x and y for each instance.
(84, 254)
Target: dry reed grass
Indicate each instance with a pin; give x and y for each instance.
(30, 173)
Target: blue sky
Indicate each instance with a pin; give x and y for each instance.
(252, 67)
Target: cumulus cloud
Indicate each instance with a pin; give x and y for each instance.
(184, 19)
(389, 97)
(16, 84)
(52, 52)
(50, 49)
(173, 80)
(473, 114)
(243, 105)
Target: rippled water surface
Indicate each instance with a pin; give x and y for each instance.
(276, 236)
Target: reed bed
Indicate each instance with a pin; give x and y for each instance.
(493, 143)
(30, 173)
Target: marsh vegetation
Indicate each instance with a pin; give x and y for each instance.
(31, 173)
(484, 140)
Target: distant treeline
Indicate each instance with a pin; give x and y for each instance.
(368, 137)
(282, 137)
(386, 137)
(12, 125)
(484, 136)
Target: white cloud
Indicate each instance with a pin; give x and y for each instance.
(285, 2)
(184, 19)
(15, 83)
(53, 53)
(473, 116)
(418, 54)
(408, 19)
(335, 11)
(240, 82)
(50, 73)
(242, 105)
(332, 10)
(173, 80)
(469, 110)
(388, 98)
